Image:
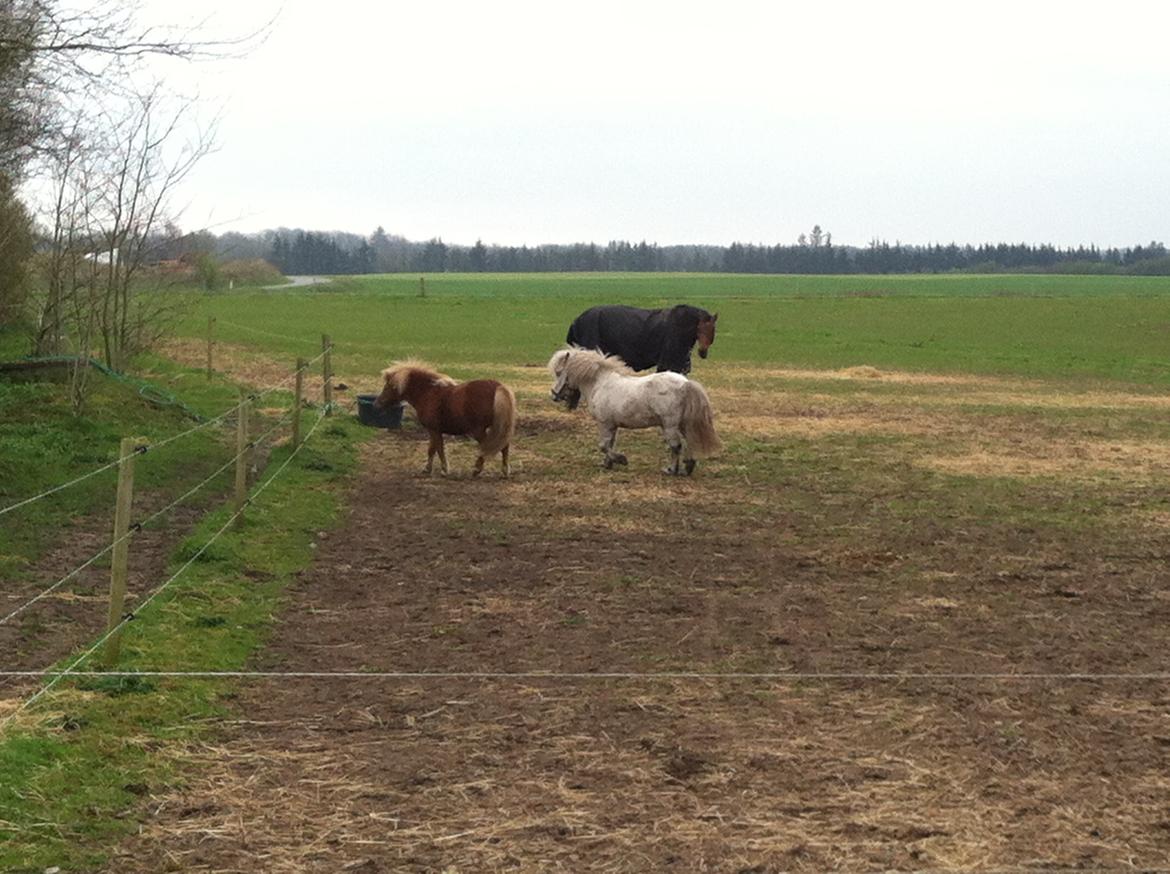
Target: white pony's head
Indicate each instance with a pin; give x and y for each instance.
(575, 366)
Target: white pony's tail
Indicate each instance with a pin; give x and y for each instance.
(698, 422)
(503, 426)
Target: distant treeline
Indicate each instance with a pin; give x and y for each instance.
(332, 252)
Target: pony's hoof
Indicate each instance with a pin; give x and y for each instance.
(620, 459)
(690, 465)
(476, 473)
(670, 471)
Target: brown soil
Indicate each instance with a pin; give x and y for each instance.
(457, 775)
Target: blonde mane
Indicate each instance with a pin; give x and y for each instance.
(399, 372)
(584, 364)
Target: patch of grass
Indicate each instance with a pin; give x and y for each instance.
(72, 768)
(117, 686)
(1077, 327)
(42, 444)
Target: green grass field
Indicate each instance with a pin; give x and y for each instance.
(1109, 328)
(42, 443)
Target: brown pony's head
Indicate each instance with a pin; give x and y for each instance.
(390, 395)
(706, 334)
(398, 377)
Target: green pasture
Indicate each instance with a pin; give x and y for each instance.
(1078, 327)
(42, 444)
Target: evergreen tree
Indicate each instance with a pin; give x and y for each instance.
(478, 257)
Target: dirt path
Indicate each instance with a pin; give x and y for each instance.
(455, 775)
(298, 282)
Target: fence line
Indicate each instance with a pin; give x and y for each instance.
(372, 347)
(71, 482)
(158, 444)
(198, 427)
(139, 451)
(282, 384)
(885, 676)
(57, 676)
(137, 526)
(252, 330)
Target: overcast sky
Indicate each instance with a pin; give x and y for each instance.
(690, 122)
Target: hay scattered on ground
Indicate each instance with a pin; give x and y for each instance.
(1065, 459)
(503, 777)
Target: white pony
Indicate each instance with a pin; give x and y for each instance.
(618, 398)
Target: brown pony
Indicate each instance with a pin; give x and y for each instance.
(482, 408)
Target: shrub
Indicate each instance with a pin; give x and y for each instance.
(208, 273)
(250, 271)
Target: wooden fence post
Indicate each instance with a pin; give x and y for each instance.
(210, 342)
(119, 560)
(243, 456)
(422, 287)
(327, 372)
(298, 400)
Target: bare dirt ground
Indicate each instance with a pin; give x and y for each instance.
(799, 552)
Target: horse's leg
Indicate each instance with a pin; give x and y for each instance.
(432, 448)
(504, 461)
(608, 436)
(479, 436)
(688, 456)
(611, 455)
(442, 456)
(674, 440)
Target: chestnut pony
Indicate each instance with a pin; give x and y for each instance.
(482, 408)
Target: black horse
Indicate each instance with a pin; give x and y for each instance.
(646, 338)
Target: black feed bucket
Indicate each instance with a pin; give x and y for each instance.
(391, 417)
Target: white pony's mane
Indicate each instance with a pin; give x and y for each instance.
(399, 372)
(584, 364)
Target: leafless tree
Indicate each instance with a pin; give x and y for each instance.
(106, 147)
(55, 57)
(110, 210)
(152, 151)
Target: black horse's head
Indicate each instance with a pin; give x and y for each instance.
(705, 333)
